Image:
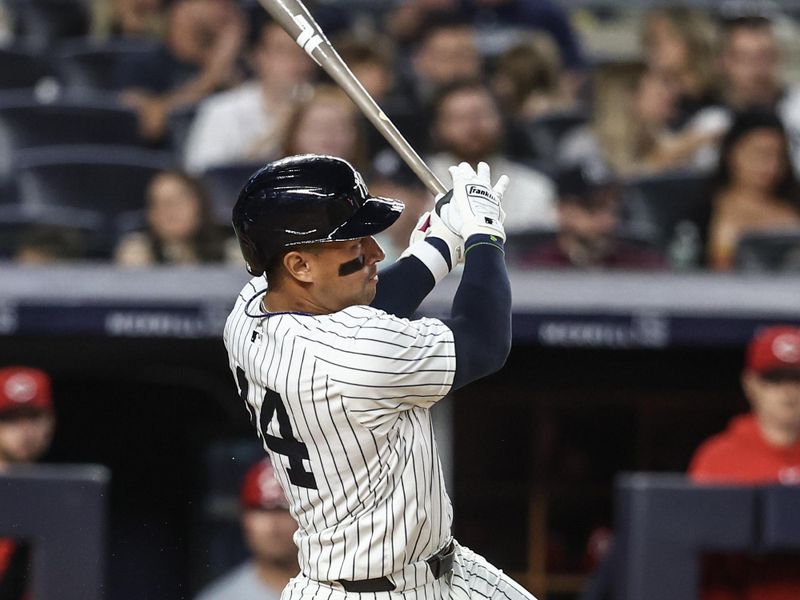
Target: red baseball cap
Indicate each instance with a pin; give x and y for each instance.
(261, 490)
(24, 388)
(775, 349)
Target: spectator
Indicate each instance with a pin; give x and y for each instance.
(751, 64)
(681, 46)
(126, 19)
(754, 187)
(27, 422)
(527, 80)
(632, 110)
(372, 61)
(542, 15)
(391, 178)
(588, 218)
(197, 57)
(467, 127)
(445, 51)
(179, 226)
(268, 529)
(246, 123)
(47, 244)
(327, 123)
(762, 447)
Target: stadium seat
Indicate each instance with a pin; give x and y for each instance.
(17, 221)
(41, 22)
(545, 133)
(777, 250)
(224, 185)
(28, 123)
(107, 179)
(22, 69)
(655, 206)
(88, 65)
(519, 244)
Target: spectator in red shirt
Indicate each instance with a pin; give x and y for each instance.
(762, 447)
(26, 429)
(588, 220)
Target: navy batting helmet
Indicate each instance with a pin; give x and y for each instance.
(304, 200)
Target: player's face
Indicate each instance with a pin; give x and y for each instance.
(345, 273)
(269, 536)
(775, 400)
(25, 438)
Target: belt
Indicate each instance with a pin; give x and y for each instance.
(440, 564)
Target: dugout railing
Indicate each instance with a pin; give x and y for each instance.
(60, 511)
(664, 523)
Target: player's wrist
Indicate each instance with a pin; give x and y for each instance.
(430, 255)
(483, 239)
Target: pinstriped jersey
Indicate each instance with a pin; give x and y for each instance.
(341, 404)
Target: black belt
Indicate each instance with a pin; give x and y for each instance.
(440, 564)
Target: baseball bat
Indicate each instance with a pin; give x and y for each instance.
(294, 17)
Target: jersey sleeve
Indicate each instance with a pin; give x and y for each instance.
(389, 365)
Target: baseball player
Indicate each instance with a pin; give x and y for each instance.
(339, 381)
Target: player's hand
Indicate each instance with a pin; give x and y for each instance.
(477, 202)
(432, 224)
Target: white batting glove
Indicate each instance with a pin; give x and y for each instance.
(477, 202)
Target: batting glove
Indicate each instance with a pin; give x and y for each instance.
(477, 202)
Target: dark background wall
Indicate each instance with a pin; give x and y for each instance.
(556, 426)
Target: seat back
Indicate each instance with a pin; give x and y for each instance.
(777, 250)
(88, 65)
(108, 179)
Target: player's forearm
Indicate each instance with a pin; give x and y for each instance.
(481, 315)
(403, 286)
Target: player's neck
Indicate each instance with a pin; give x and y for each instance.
(779, 436)
(278, 301)
(275, 575)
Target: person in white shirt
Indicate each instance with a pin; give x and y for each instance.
(467, 127)
(245, 124)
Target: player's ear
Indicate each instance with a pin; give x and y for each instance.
(297, 266)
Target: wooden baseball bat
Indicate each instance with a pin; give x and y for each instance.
(294, 17)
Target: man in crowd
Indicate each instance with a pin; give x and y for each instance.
(445, 51)
(268, 528)
(467, 127)
(245, 124)
(588, 221)
(27, 422)
(197, 57)
(761, 447)
(751, 68)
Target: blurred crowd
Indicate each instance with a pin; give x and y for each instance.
(127, 127)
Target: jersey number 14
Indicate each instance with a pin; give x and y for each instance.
(287, 444)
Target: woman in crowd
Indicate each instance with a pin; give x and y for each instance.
(179, 227)
(754, 187)
(527, 79)
(680, 45)
(326, 123)
(630, 128)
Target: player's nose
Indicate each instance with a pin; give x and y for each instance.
(373, 250)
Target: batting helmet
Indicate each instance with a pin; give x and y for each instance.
(304, 200)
